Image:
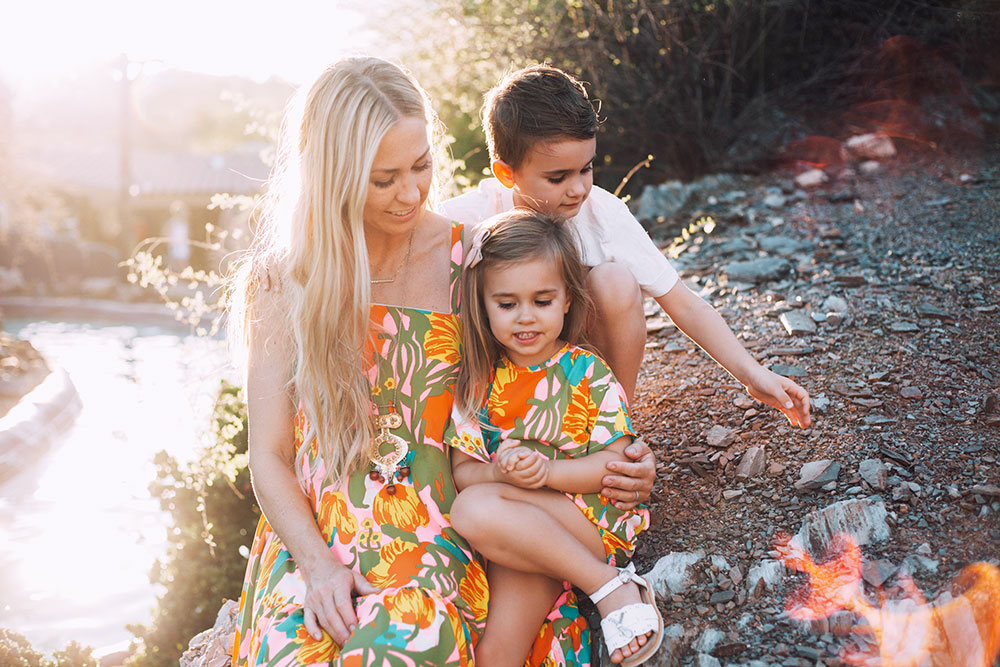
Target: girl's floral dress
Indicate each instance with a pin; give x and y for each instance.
(566, 407)
(432, 607)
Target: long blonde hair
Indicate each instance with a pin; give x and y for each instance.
(311, 242)
(515, 237)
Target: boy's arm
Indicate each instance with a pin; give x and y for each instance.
(584, 474)
(702, 324)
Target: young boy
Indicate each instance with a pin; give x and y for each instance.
(540, 129)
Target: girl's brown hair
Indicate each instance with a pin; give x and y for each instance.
(519, 236)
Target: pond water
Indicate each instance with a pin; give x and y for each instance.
(79, 531)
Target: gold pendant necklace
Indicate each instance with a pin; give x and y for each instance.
(386, 464)
(406, 262)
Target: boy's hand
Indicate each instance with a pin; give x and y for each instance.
(782, 394)
(522, 467)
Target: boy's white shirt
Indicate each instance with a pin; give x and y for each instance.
(607, 230)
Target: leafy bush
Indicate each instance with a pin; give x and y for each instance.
(16, 651)
(214, 515)
(703, 85)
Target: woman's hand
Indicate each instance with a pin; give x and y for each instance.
(782, 394)
(329, 603)
(631, 481)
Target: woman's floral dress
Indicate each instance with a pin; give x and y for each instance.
(566, 407)
(432, 607)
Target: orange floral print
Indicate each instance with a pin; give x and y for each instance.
(400, 561)
(333, 512)
(312, 650)
(404, 509)
(410, 606)
(475, 590)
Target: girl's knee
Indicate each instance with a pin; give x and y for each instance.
(613, 288)
(472, 508)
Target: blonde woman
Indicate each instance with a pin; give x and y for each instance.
(348, 300)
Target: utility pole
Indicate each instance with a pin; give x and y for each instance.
(125, 226)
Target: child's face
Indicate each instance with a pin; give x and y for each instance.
(526, 303)
(556, 176)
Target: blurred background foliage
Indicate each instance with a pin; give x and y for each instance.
(702, 86)
(214, 516)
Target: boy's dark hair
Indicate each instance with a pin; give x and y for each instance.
(536, 103)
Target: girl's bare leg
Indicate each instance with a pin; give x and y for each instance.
(543, 532)
(519, 603)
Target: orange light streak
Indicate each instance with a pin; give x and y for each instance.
(959, 629)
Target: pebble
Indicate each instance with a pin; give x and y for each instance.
(720, 436)
(911, 392)
(877, 572)
(797, 323)
(757, 271)
(874, 472)
(903, 327)
(789, 371)
(752, 463)
(815, 474)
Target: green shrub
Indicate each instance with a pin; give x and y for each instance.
(16, 651)
(214, 514)
(702, 85)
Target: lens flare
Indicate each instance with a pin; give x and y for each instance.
(961, 628)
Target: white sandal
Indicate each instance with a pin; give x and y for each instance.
(631, 621)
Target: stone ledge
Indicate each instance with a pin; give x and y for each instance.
(29, 429)
(153, 314)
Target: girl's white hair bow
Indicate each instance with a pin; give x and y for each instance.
(476, 249)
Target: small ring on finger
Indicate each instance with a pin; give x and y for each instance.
(636, 495)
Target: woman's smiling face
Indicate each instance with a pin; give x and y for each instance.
(400, 178)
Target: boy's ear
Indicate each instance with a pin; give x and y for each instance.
(503, 172)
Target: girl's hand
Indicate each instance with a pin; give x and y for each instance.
(523, 467)
(782, 394)
(631, 481)
(329, 603)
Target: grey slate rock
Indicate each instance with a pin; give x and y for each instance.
(672, 573)
(752, 464)
(874, 472)
(762, 270)
(863, 519)
(789, 371)
(797, 323)
(877, 572)
(834, 304)
(815, 474)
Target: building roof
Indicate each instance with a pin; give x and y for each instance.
(153, 173)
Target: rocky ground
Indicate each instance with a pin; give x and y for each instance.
(878, 292)
(21, 369)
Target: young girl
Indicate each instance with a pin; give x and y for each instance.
(553, 416)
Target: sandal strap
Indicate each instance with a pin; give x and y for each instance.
(624, 576)
(623, 625)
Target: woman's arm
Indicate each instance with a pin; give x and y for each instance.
(329, 584)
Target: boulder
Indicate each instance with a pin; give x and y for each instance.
(212, 647)
(863, 519)
(672, 573)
